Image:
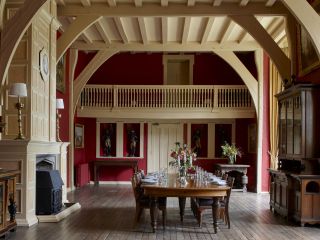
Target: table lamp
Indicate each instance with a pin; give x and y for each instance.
(19, 90)
(59, 105)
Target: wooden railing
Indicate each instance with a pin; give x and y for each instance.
(166, 96)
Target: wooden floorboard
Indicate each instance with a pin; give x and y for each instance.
(108, 211)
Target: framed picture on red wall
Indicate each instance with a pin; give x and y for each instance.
(199, 139)
(108, 139)
(79, 136)
(60, 75)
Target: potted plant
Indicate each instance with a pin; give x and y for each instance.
(231, 152)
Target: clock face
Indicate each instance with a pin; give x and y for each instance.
(44, 64)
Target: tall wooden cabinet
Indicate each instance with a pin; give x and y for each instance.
(295, 185)
(7, 201)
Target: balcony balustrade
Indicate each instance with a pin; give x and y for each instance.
(181, 98)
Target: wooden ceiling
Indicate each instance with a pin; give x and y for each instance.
(169, 25)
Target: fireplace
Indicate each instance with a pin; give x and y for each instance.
(26, 156)
(46, 162)
(48, 185)
(48, 192)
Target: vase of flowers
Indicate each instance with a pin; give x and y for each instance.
(231, 152)
(183, 159)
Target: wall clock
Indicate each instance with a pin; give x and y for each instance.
(44, 64)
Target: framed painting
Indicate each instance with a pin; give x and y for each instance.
(60, 75)
(308, 58)
(199, 139)
(252, 138)
(79, 136)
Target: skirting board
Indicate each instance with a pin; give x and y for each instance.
(61, 215)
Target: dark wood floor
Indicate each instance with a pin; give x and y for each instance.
(108, 213)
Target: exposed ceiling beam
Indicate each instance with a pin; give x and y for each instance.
(12, 33)
(143, 30)
(112, 3)
(207, 30)
(242, 36)
(61, 2)
(245, 35)
(102, 31)
(274, 24)
(227, 32)
(186, 29)
(120, 28)
(280, 36)
(256, 30)
(243, 3)
(86, 3)
(2, 4)
(217, 3)
(169, 47)
(278, 30)
(138, 3)
(74, 30)
(191, 3)
(86, 37)
(153, 10)
(164, 27)
(164, 3)
(270, 3)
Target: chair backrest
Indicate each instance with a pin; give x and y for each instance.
(136, 182)
(217, 173)
(230, 182)
(224, 176)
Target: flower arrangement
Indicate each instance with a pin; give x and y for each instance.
(231, 152)
(183, 158)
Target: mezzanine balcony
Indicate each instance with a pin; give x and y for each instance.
(166, 101)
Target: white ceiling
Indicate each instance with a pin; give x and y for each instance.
(152, 25)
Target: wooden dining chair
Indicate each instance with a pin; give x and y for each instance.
(144, 202)
(224, 203)
(198, 205)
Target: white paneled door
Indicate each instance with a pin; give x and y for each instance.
(162, 139)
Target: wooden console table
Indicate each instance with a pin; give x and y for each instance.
(98, 163)
(225, 168)
(8, 206)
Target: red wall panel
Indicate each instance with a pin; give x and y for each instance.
(141, 69)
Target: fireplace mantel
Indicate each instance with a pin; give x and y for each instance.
(21, 155)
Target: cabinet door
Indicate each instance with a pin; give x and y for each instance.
(289, 126)
(297, 125)
(283, 128)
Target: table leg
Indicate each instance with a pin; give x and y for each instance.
(154, 213)
(182, 205)
(215, 208)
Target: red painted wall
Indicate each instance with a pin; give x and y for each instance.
(88, 153)
(141, 69)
